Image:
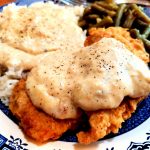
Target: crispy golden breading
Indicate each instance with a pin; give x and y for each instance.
(103, 122)
(35, 123)
(42, 127)
(121, 34)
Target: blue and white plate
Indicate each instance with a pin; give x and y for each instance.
(134, 134)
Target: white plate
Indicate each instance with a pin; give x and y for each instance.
(134, 135)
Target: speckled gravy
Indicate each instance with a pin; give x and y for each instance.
(96, 77)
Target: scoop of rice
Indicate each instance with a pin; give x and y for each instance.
(7, 82)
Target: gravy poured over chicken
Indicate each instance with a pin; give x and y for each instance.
(96, 77)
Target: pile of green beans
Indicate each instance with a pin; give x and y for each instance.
(107, 13)
(98, 14)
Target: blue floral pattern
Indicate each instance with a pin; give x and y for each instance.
(16, 143)
(12, 143)
(148, 133)
(140, 146)
(110, 148)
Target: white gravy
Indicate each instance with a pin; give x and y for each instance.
(63, 81)
(96, 77)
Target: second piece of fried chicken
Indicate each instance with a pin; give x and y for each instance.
(121, 34)
(103, 122)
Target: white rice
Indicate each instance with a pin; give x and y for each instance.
(7, 83)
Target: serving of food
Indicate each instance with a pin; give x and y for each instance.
(73, 69)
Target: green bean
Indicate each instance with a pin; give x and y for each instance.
(129, 19)
(146, 32)
(105, 22)
(146, 44)
(141, 23)
(109, 6)
(98, 20)
(109, 1)
(87, 11)
(140, 13)
(103, 10)
(120, 14)
(91, 25)
(135, 33)
(128, 16)
(93, 16)
(82, 23)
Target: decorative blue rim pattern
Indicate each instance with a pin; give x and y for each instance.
(142, 113)
(12, 143)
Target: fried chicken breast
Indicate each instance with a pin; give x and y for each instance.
(34, 122)
(42, 127)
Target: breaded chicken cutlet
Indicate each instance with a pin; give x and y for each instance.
(42, 127)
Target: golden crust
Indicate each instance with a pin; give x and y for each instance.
(103, 122)
(35, 123)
